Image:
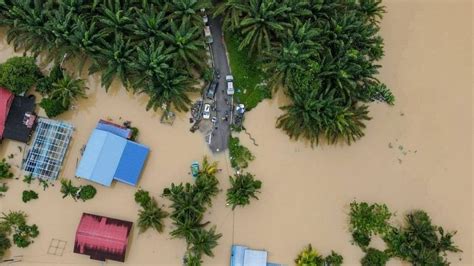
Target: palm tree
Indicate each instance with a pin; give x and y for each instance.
(68, 189)
(149, 25)
(151, 216)
(188, 10)
(115, 17)
(187, 43)
(85, 38)
(208, 168)
(26, 21)
(314, 114)
(67, 89)
(171, 91)
(262, 21)
(152, 62)
(231, 11)
(203, 241)
(243, 187)
(113, 60)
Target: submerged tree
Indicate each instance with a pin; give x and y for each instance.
(243, 188)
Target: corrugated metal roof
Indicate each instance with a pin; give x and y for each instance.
(130, 166)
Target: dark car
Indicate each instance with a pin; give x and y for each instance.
(211, 91)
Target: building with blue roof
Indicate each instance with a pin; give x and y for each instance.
(109, 156)
(244, 256)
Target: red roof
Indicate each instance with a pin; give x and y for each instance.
(6, 98)
(102, 237)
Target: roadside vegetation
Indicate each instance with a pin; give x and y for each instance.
(151, 47)
(323, 55)
(416, 241)
(310, 257)
(249, 79)
(83, 193)
(189, 203)
(150, 215)
(240, 156)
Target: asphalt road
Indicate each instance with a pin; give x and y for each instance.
(221, 131)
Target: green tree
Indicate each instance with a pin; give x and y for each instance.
(5, 244)
(86, 192)
(19, 74)
(243, 188)
(204, 241)
(151, 216)
(367, 220)
(231, 11)
(67, 90)
(375, 257)
(188, 10)
(68, 189)
(5, 172)
(52, 107)
(28, 195)
(240, 156)
(142, 197)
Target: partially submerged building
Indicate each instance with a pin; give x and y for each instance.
(102, 238)
(45, 157)
(17, 116)
(244, 256)
(111, 156)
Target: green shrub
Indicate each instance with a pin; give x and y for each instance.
(28, 179)
(135, 132)
(240, 156)
(309, 257)
(420, 242)
(334, 259)
(142, 197)
(29, 195)
(52, 107)
(24, 234)
(5, 172)
(243, 187)
(367, 220)
(19, 74)
(375, 257)
(5, 244)
(87, 192)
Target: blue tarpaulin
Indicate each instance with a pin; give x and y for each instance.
(108, 157)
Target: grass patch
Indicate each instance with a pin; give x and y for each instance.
(248, 77)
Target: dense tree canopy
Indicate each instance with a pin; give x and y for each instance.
(115, 35)
(323, 53)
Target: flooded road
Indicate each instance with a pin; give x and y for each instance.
(417, 154)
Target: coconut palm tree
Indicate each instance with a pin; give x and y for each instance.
(262, 20)
(85, 38)
(313, 115)
(187, 43)
(113, 60)
(26, 21)
(152, 62)
(188, 10)
(169, 92)
(68, 189)
(115, 17)
(151, 216)
(204, 241)
(149, 25)
(231, 11)
(68, 89)
(243, 188)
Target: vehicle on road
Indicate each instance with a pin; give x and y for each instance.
(214, 119)
(211, 91)
(206, 113)
(208, 35)
(230, 88)
(229, 78)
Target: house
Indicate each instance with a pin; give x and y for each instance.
(102, 238)
(6, 98)
(45, 157)
(244, 256)
(110, 156)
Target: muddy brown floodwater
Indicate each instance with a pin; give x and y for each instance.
(417, 154)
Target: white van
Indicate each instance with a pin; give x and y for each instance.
(230, 88)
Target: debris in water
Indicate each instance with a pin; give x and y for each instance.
(399, 161)
(11, 156)
(390, 145)
(400, 147)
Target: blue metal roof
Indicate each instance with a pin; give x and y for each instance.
(108, 156)
(130, 166)
(114, 129)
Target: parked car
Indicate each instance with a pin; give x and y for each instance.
(195, 169)
(230, 88)
(206, 113)
(229, 78)
(211, 91)
(208, 35)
